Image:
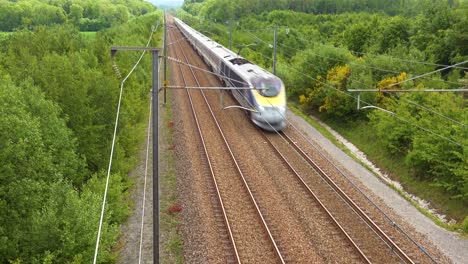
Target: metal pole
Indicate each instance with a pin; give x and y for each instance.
(230, 34)
(165, 55)
(155, 113)
(274, 50)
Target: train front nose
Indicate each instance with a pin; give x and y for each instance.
(270, 118)
(270, 103)
(272, 114)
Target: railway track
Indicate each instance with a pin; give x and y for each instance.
(233, 192)
(383, 225)
(253, 227)
(338, 206)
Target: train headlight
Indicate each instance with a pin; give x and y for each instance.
(260, 108)
(282, 109)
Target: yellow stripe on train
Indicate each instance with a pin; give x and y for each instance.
(278, 100)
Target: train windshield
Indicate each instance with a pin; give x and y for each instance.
(267, 87)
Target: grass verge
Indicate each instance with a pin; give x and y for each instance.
(90, 35)
(170, 207)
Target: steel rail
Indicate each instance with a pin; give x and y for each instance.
(265, 225)
(218, 193)
(316, 198)
(395, 248)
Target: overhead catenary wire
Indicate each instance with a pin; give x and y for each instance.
(375, 68)
(435, 112)
(153, 30)
(372, 67)
(393, 114)
(203, 70)
(214, 87)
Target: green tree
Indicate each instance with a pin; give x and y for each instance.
(394, 33)
(76, 13)
(357, 37)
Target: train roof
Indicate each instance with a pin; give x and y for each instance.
(238, 63)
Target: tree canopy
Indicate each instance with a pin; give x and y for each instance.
(58, 99)
(88, 15)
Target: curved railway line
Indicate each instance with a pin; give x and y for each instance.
(274, 200)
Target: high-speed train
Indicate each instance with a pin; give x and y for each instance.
(266, 96)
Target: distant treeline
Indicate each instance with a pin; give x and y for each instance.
(241, 8)
(88, 15)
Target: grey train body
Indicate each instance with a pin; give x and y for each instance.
(267, 95)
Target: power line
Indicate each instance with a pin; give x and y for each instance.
(112, 148)
(435, 112)
(203, 70)
(371, 67)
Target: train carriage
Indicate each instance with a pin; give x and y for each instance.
(267, 96)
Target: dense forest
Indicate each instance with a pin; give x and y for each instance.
(58, 98)
(327, 47)
(88, 15)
